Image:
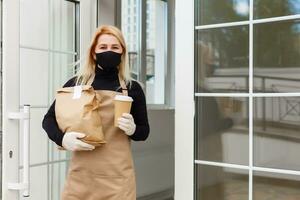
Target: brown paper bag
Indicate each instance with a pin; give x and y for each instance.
(77, 109)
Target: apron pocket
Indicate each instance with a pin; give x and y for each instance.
(108, 187)
(77, 185)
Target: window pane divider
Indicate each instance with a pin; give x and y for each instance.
(219, 164)
(278, 171)
(48, 50)
(221, 94)
(246, 167)
(289, 94)
(142, 43)
(247, 22)
(47, 163)
(250, 105)
(222, 25)
(276, 19)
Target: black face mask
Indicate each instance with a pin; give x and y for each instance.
(108, 60)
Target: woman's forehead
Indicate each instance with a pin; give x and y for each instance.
(107, 39)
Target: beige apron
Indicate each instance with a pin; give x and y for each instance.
(107, 172)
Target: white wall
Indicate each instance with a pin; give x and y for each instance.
(154, 158)
(106, 12)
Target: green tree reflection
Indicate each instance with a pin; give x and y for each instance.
(277, 44)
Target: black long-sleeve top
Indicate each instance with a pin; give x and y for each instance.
(105, 81)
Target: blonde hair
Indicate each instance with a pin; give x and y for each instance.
(86, 73)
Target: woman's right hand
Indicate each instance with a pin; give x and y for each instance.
(72, 143)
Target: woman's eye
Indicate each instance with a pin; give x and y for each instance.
(102, 48)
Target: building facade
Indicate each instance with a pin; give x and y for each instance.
(221, 79)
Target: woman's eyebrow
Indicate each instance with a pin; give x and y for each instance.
(104, 44)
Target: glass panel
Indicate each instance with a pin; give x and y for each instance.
(62, 25)
(55, 154)
(271, 186)
(34, 23)
(277, 132)
(222, 129)
(62, 68)
(130, 29)
(156, 50)
(33, 88)
(276, 57)
(271, 8)
(38, 183)
(222, 60)
(217, 183)
(57, 175)
(221, 11)
(64, 37)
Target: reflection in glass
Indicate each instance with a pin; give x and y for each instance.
(222, 56)
(277, 132)
(276, 57)
(221, 11)
(61, 69)
(156, 44)
(271, 8)
(156, 56)
(222, 129)
(130, 29)
(62, 25)
(271, 186)
(57, 176)
(217, 183)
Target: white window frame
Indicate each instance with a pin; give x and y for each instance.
(250, 95)
(169, 72)
(184, 100)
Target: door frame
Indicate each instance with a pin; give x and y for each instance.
(11, 87)
(10, 97)
(184, 100)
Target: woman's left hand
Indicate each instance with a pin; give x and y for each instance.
(126, 123)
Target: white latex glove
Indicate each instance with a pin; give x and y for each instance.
(126, 123)
(72, 143)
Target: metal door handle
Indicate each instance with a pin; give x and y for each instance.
(25, 118)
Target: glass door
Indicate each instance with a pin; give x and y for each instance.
(10, 101)
(247, 96)
(237, 114)
(41, 45)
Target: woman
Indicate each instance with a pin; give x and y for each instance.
(106, 172)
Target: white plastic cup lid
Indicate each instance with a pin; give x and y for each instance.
(123, 98)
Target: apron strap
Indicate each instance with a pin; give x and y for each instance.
(122, 83)
(123, 86)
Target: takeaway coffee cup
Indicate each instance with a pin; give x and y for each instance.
(122, 105)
